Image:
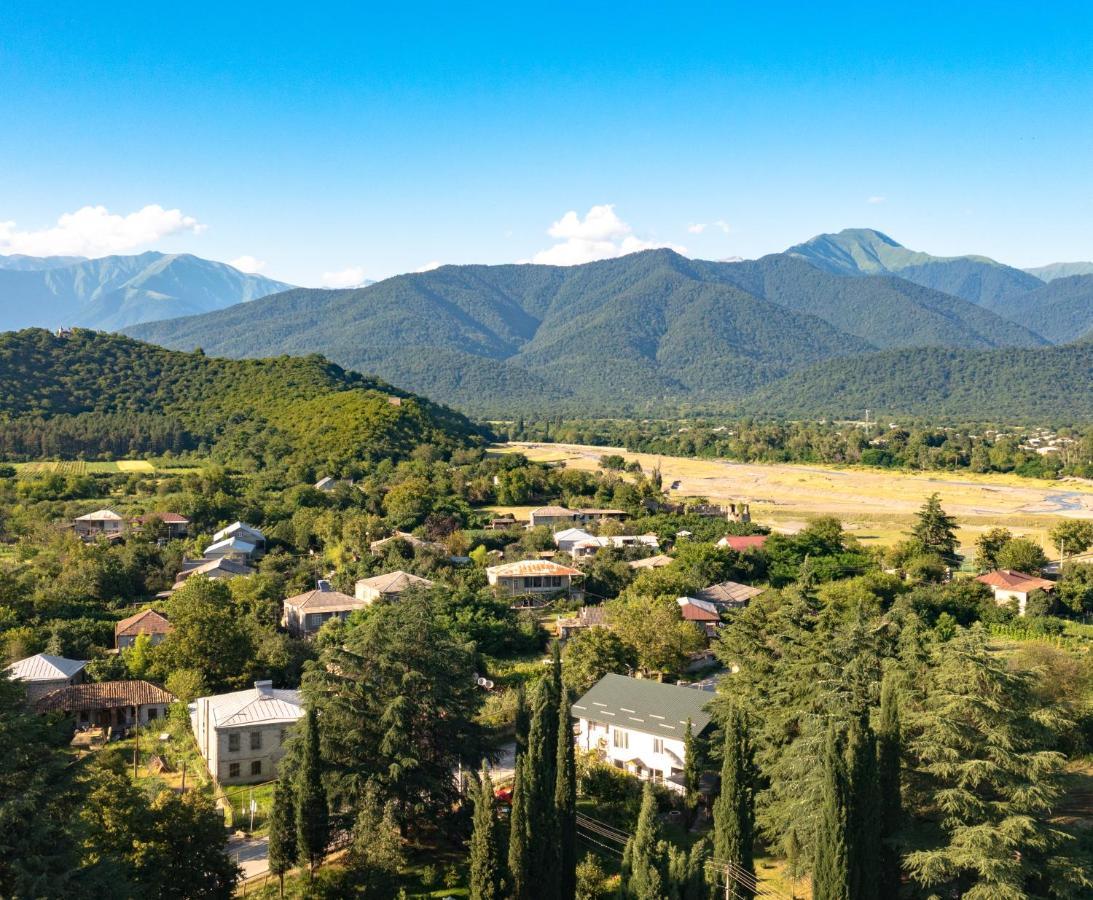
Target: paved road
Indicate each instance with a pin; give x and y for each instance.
(252, 854)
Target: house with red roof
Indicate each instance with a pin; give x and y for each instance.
(1009, 586)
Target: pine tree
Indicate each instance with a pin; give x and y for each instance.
(830, 867)
(935, 530)
(734, 809)
(485, 862)
(282, 828)
(645, 879)
(312, 812)
(565, 802)
(890, 812)
(518, 855)
(862, 819)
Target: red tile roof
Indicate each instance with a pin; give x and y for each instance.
(147, 621)
(1009, 580)
(742, 542)
(102, 695)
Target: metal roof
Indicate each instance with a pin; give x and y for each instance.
(235, 543)
(531, 567)
(698, 610)
(728, 592)
(651, 562)
(254, 706)
(43, 667)
(324, 600)
(640, 704)
(100, 515)
(238, 528)
(393, 582)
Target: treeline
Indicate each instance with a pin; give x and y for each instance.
(94, 434)
(911, 446)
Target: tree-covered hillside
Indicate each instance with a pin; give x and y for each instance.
(1013, 385)
(644, 332)
(1061, 310)
(95, 393)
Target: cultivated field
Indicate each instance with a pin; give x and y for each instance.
(79, 467)
(877, 506)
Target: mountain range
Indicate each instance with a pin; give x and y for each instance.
(115, 291)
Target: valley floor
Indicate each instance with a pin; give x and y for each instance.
(875, 505)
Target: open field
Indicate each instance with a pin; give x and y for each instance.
(877, 506)
(80, 467)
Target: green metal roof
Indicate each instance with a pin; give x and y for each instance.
(641, 704)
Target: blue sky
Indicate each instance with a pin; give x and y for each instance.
(328, 142)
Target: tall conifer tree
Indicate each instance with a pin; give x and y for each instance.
(734, 809)
(565, 802)
(312, 812)
(518, 855)
(485, 862)
(282, 828)
(862, 814)
(830, 867)
(889, 751)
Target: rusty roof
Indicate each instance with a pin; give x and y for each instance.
(103, 695)
(147, 621)
(1009, 580)
(531, 567)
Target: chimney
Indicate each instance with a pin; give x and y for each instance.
(264, 689)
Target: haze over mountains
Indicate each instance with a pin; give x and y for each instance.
(115, 291)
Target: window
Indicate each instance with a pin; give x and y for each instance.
(233, 743)
(658, 745)
(282, 735)
(153, 713)
(621, 739)
(233, 770)
(256, 767)
(256, 740)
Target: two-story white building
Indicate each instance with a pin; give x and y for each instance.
(640, 725)
(242, 735)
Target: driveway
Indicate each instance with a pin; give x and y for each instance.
(252, 854)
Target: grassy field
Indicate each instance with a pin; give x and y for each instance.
(875, 505)
(81, 467)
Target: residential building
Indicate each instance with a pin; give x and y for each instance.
(550, 516)
(306, 613)
(212, 568)
(640, 725)
(176, 526)
(1009, 586)
(118, 705)
(743, 542)
(233, 547)
(568, 538)
(587, 617)
(242, 735)
(41, 674)
(377, 547)
(651, 562)
(592, 545)
(100, 523)
(702, 613)
(388, 586)
(534, 579)
(245, 532)
(728, 594)
(148, 622)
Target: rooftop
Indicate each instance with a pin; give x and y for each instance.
(741, 542)
(103, 695)
(694, 610)
(641, 704)
(651, 562)
(394, 582)
(147, 621)
(729, 593)
(1009, 580)
(43, 667)
(531, 567)
(100, 515)
(261, 704)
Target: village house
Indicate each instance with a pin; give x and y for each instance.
(651, 562)
(388, 586)
(242, 735)
(728, 594)
(703, 614)
(176, 526)
(211, 568)
(306, 613)
(244, 532)
(1009, 586)
(100, 523)
(377, 547)
(741, 543)
(568, 538)
(501, 523)
(640, 725)
(590, 546)
(148, 622)
(234, 547)
(560, 515)
(41, 674)
(534, 579)
(587, 617)
(114, 705)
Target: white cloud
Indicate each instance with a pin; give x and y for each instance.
(699, 227)
(875, 199)
(430, 265)
(94, 231)
(601, 234)
(348, 277)
(248, 264)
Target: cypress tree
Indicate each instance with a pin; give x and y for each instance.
(645, 880)
(541, 773)
(862, 820)
(690, 766)
(889, 750)
(312, 813)
(485, 863)
(734, 809)
(565, 803)
(830, 867)
(523, 720)
(518, 834)
(282, 829)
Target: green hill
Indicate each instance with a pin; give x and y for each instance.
(1047, 385)
(1061, 310)
(863, 251)
(97, 393)
(641, 333)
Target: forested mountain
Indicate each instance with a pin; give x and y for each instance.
(1061, 270)
(94, 393)
(644, 331)
(1012, 385)
(863, 251)
(115, 291)
(1061, 310)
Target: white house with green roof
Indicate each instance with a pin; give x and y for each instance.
(640, 725)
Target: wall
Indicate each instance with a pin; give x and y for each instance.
(595, 736)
